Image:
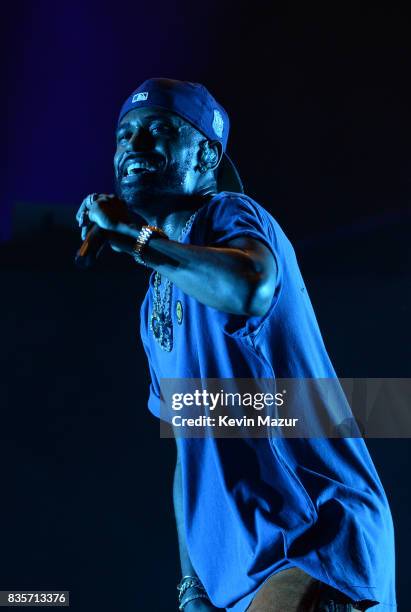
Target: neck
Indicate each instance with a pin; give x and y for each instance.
(175, 216)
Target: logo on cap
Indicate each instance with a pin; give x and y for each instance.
(218, 123)
(142, 95)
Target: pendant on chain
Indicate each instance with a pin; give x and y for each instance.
(161, 323)
(162, 327)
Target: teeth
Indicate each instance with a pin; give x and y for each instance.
(138, 165)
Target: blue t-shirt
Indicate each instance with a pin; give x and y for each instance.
(253, 507)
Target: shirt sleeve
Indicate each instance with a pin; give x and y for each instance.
(233, 216)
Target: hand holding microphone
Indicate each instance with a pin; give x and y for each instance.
(98, 216)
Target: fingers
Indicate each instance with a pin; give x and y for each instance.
(87, 203)
(82, 217)
(92, 211)
(81, 211)
(82, 214)
(85, 230)
(84, 223)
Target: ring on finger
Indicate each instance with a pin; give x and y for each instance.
(90, 199)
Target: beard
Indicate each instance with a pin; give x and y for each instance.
(154, 190)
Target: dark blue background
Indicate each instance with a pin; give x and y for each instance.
(319, 105)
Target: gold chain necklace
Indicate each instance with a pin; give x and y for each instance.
(161, 323)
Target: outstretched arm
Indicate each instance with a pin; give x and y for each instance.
(238, 277)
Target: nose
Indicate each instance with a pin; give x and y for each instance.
(140, 140)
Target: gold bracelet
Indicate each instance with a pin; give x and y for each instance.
(142, 240)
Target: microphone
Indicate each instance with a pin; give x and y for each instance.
(91, 248)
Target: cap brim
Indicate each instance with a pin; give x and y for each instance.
(228, 178)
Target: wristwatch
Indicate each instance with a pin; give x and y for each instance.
(146, 232)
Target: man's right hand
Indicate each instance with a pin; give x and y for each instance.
(105, 210)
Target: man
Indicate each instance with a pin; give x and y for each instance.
(267, 525)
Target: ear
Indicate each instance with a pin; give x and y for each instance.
(210, 155)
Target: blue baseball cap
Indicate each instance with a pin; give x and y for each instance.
(194, 103)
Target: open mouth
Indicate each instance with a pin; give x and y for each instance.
(137, 167)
